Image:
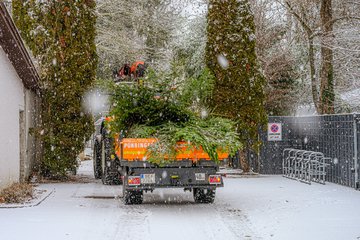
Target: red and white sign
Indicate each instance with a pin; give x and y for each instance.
(274, 132)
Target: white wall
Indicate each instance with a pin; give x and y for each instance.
(11, 102)
(31, 120)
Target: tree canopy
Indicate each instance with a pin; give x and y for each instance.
(61, 34)
(230, 54)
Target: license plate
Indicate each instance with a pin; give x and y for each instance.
(200, 176)
(147, 178)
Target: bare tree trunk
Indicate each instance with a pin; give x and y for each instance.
(300, 16)
(243, 161)
(327, 95)
(314, 89)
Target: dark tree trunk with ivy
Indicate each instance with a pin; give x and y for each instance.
(327, 95)
(61, 34)
(239, 87)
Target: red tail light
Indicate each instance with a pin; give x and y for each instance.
(134, 180)
(215, 179)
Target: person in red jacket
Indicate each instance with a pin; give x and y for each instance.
(124, 72)
(137, 69)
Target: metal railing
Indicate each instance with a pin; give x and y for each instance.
(305, 166)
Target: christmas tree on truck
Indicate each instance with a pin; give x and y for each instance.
(159, 135)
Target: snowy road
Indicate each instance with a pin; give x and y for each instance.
(268, 207)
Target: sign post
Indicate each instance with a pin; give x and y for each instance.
(274, 132)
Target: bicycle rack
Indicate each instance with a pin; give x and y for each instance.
(305, 166)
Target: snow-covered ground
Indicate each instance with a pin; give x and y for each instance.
(264, 207)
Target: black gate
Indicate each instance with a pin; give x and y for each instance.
(337, 136)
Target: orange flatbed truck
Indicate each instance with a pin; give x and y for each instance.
(124, 160)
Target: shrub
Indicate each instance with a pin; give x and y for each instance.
(17, 193)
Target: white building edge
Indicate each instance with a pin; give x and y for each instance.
(19, 105)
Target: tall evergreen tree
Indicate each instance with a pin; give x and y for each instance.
(63, 38)
(230, 54)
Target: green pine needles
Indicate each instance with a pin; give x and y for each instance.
(162, 112)
(61, 35)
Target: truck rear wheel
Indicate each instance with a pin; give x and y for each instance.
(97, 160)
(106, 177)
(133, 197)
(109, 172)
(203, 195)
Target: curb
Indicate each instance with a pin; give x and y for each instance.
(237, 174)
(28, 205)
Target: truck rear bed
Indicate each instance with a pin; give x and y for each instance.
(170, 177)
(192, 169)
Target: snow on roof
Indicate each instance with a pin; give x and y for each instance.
(13, 46)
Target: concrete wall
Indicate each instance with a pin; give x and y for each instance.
(14, 98)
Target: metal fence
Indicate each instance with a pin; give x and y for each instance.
(336, 136)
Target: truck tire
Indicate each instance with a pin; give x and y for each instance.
(109, 174)
(105, 158)
(97, 160)
(106, 178)
(110, 178)
(133, 197)
(202, 195)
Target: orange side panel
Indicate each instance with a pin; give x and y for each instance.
(135, 149)
(186, 152)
